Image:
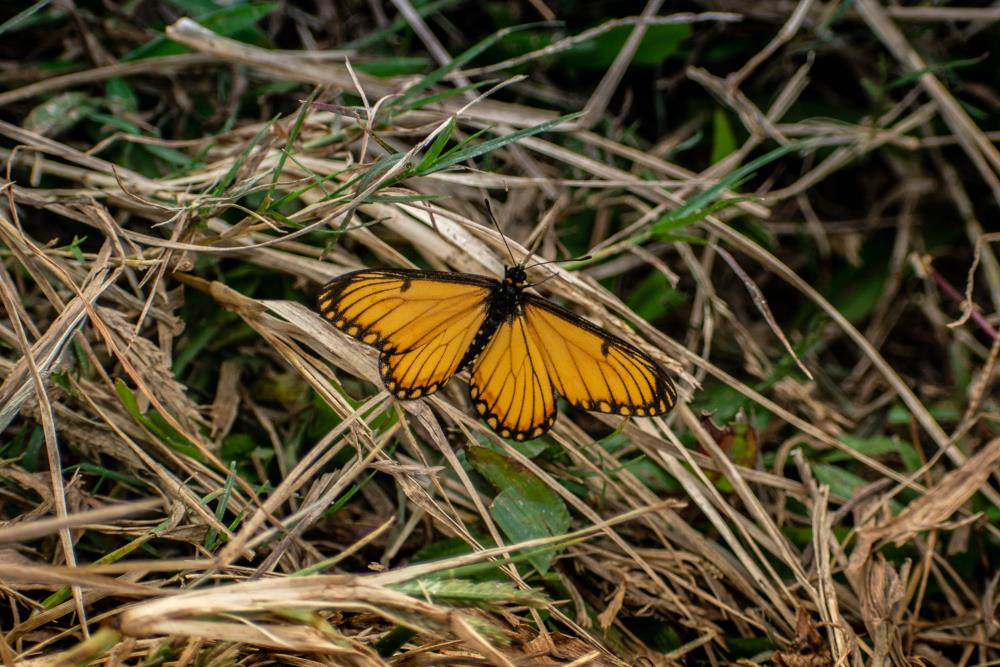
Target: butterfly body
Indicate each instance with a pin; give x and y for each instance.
(522, 349)
(503, 304)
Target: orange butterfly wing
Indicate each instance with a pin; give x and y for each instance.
(510, 385)
(422, 322)
(544, 350)
(593, 369)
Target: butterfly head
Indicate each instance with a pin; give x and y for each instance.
(515, 276)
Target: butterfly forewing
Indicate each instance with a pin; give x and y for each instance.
(594, 370)
(422, 322)
(510, 386)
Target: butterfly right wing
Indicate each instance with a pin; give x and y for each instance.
(510, 386)
(593, 369)
(422, 322)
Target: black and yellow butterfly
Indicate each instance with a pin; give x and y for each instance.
(427, 325)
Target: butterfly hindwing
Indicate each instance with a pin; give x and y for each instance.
(422, 322)
(593, 369)
(510, 385)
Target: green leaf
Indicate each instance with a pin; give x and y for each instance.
(654, 297)
(74, 247)
(723, 139)
(462, 155)
(445, 94)
(875, 447)
(663, 229)
(237, 447)
(397, 25)
(519, 43)
(128, 398)
(158, 47)
(58, 114)
(466, 142)
(438, 75)
(393, 641)
(196, 8)
(525, 508)
(200, 338)
(840, 481)
(326, 418)
(434, 151)
(720, 400)
(171, 156)
(447, 548)
(688, 238)
(23, 19)
(731, 180)
(212, 536)
(659, 43)
(383, 165)
(155, 423)
(230, 176)
(102, 473)
(401, 199)
(236, 18)
(164, 431)
(947, 67)
(389, 67)
(857, 292)
(945, 412)
(293, 136)
(316, 183)
(466, 593)
(226, 22)
(652, 475)
(120, 96)
(34, 450)
(844, 483)
(114, 121)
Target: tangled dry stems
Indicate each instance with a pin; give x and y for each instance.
(91, 341)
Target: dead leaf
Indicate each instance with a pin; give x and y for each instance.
(610, 613)
(931, 510)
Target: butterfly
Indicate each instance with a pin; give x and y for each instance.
(523, 349)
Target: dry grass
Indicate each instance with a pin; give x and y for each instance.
(197, 469)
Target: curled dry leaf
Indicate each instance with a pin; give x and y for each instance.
(930, 510)
(880, 599)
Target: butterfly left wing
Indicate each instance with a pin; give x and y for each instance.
(510, 385)
(422, 322)
(593, 369)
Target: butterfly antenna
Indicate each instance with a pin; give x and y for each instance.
(493, 219)
(555, 261)
(560, 261)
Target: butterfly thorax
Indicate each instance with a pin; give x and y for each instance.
(503, 304)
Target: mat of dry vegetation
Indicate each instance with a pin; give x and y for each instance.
(784, 204)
